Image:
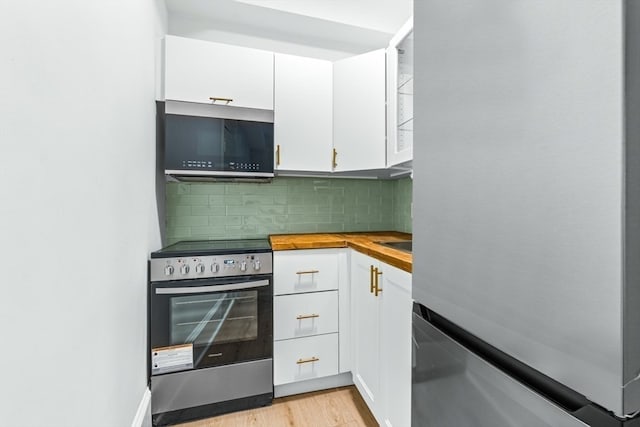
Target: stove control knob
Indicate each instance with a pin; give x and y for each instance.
(215, 267)
(243, 266)
(168, 270)
(256, 265)
(184, 269)
(200, 268)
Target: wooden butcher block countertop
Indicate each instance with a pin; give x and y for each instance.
(364, 242)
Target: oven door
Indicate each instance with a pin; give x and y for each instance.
(210, 322)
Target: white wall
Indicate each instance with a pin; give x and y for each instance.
(190, 27)
(77, 208)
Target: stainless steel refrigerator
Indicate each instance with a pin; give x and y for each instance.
(526, 213)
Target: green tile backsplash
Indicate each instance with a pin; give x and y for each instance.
(286, 205)
(402, 204)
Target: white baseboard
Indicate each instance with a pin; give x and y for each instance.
(143, 414)
(324, 383)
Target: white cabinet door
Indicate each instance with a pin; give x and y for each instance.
(359, 112)
(366, 331)
(395, 345)
(303, 113)
(400, 96)
(197, 70)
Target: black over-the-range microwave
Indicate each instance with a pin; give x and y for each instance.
(214, 141)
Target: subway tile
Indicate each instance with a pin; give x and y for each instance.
(302, 228)
(280, 199)
(209, 230)
(357, 227)
(208, 188)
(317, 199)
(242, 210)
(183, 189)
(208, 210)
(241, 231)
(187, 221)
(295, 199)
(312, 218)
(257, 220)
(171, 188)
(190, 200)
(257, 200)
(226, 200)
(330, 228)
(265, 230)
(358, 210)
(301, 209)
(281, 219)
(178, 232)
(225, 220)
(272, 210)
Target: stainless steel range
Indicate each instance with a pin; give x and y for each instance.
(210, 328)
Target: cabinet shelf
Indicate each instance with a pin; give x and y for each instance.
(406, 125)
(405, 83)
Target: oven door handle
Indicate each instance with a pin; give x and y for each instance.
(212, 288)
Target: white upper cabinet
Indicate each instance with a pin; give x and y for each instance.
(197, 71)
(359, 112)
(400, 96)
(303, 106)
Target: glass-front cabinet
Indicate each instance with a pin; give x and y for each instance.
(400, 96)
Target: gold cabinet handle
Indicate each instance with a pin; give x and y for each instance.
(377, 288)
(225, 100)
(278, 155)
(371, 287)
(309, 360)
(335, 155)
(307, 316)
(308, 272)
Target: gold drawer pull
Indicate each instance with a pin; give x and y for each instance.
(308, 272)
(278, 155)
(225, 100)
(309, 360)
(333, 161)
(307, 316)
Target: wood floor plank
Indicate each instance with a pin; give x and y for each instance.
(338, 407)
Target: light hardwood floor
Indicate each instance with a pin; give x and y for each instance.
(337, 407)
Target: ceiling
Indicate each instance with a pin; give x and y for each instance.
(345, 25)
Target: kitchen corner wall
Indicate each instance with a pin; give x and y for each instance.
(286, 205)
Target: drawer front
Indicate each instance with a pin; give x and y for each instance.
(302, 315)
(305, 358)
(305, 271)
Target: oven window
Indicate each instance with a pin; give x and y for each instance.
(214, 318)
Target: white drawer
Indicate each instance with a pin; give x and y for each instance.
(303, 315)
(305, 271)
(307, 358)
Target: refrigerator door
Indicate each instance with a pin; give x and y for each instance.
(518, 182)
(453, 387)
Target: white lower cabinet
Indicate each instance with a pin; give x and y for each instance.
(305, 358)
(338, 311)
(381, 338)
(310, 320)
